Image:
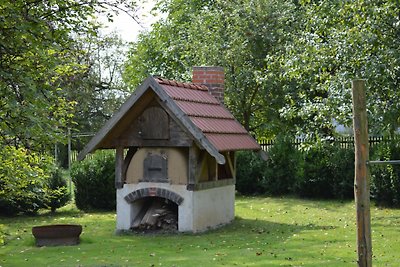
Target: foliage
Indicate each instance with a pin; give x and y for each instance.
(328, 172)
(340, 41)
(324, 171)
(385, 179)
(94, 181)
(3, 234)
(283, 166)
(288, 63)
(57, 190)
(40, 60)
(98, 91)
(23, 177)
(249, 172)
(242, 36)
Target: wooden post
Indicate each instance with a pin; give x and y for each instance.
(361, 179)
(119, 162)
(192, 168)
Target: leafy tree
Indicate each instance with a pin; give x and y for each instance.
(340, 41)
(99, 90)
(39, 60)
(43, 67)
(237, 35)
(23, 177)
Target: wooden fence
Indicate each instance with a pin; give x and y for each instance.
(344, 142)
(266, 144)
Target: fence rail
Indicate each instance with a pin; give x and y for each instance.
(344, 141)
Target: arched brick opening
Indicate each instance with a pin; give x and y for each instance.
(154, 192)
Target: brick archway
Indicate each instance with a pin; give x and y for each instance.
(154, 192)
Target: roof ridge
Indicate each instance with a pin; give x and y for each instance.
(192, 86)
(182, 99)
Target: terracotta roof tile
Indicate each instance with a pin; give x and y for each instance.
(231, 142)
(193, 109)
(189, 94)
(213, 119)
(212, 125)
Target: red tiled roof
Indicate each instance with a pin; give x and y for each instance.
(213, 119)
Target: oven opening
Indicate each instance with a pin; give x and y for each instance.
(155, 214)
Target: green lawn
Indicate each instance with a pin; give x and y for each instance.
(266, 232)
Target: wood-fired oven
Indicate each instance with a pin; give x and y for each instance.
(175, 149)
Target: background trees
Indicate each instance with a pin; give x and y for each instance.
(49, 80)
(42, 58)
(339, 41)
(288, 63)
(242, 36)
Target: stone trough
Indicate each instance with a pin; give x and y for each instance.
(57, 234)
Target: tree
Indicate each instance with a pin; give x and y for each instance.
(39, 59)
(340, 41)
(99, 90)
(42, 69)
(237, 35)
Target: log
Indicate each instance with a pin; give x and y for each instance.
(156, 214)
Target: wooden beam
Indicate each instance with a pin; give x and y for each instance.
(192, 171)
(231, 164)
(119, 162)
(361, 179)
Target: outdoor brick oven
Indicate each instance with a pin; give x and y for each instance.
(175, 149)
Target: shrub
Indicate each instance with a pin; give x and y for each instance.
(385, 179)
(3, 234)
(341, 164)
(328, 172)
(94, 180)
(57, 191)
(23, 176)
(249, 172)
(283, 166)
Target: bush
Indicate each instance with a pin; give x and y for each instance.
(283, 166)
(249, 172)
(328, 172)
(385, 179)
(341, 164)
(23, 176)
(3, 234)
(275, 176)
(57, 191)
(94, 180)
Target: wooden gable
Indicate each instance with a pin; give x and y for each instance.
(153, 127)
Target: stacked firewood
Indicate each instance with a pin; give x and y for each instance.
(156, 215)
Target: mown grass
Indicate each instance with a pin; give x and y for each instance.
(267, 232)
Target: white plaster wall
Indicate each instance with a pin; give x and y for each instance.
(213, 207)
(199, 211)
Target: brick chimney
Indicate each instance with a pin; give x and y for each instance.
(213, 78)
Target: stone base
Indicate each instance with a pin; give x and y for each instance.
(198, 211)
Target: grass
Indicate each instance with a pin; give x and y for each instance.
(266, 232)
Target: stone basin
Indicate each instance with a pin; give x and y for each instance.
(57, 234)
